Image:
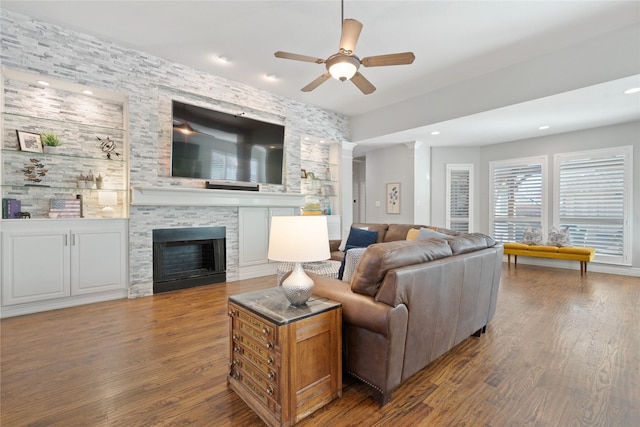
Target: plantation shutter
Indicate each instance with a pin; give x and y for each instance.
(459, 196)
(517, 198)
(592, 201)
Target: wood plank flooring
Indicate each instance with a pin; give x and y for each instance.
(563, 350)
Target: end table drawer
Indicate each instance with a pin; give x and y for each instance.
(259, 327)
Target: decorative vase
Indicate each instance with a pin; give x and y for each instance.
(50, 149)
(298, 286)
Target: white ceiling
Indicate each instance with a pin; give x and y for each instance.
(453, 41)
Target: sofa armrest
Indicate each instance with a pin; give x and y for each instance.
(334, 245)
(357, 309)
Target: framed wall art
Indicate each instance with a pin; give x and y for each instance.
(29, 141)
(393, 198)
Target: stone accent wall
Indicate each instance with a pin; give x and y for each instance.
(150, 82)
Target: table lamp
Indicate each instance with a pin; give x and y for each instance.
(107, 199)
(298, 239)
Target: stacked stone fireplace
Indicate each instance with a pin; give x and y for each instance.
(188, 257)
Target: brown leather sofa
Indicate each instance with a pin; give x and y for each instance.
(409, 302)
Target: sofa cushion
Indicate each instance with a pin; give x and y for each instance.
(412, 234)
(427, 233)
(382, 257)
(359, 238)
(398, 232)
(351, 259)
(380, 228)
(345, 236)
(469, 243)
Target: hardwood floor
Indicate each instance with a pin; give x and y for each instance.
(562, 350)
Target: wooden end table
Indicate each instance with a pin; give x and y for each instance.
(285, 361)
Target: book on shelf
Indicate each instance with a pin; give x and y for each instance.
(10, 208)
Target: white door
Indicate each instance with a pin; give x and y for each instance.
(35, 266)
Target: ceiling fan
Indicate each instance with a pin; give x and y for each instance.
(344, 64)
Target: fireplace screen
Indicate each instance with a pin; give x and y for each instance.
(187, 257)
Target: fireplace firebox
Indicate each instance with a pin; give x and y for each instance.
(188, 257)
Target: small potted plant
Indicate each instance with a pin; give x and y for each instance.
(81, 181)
(50, 142)
(99, 182)
(89, 180)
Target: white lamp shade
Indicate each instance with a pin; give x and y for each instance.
(107, 198)
(299, 239)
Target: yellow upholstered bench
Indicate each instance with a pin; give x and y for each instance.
(584, 255)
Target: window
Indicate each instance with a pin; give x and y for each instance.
(518, 199)
(459, 204)
(593, 198)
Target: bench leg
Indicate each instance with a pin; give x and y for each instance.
(509, 260)
(583, 267)
(515, 260)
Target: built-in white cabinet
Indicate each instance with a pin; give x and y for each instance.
(50, 264)
(253, 239)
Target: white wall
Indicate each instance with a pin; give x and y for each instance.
(385, 166)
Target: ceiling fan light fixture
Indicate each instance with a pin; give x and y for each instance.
(342, 67)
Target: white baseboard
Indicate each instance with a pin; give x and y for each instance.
(57, 303)
(575, 265)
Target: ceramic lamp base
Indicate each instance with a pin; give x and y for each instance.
(107, 212)
(298, 286)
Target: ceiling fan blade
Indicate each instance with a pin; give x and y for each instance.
(349, 38)
(391, 59)
(363, 84)
(296, 57)
(317, 82)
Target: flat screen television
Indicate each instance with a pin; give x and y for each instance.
(217, 146)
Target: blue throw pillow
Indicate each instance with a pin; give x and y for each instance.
(359, 238)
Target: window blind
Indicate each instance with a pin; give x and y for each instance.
(517, 193)
(459, 193)
(592, 201)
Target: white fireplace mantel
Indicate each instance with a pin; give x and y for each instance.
(172, 196)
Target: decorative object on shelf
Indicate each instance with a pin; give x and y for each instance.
(303, 173)
(89, 180)
(81, 181)
(65, 208)
(107, 199)
(50, 142)
(393, 198)
(23, 215)
(298, 239)
(34, 172)
(29, 141)
(108, 147)
(99, 182)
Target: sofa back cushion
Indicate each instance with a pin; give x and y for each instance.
(382, 257)
(470, 242)
(399, 232)
(380, 228)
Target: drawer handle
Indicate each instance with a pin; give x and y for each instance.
(236, 337)
(236, 349)
(270, 391)
(236, 375)
(232, 312)
(270, 360)
(270, 345)
(234, 363)
(272, 374)
(265, 330)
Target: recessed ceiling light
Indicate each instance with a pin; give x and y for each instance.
(43, 83)
(272, 77)
(632, 90)
(222, 59)
(435, 132)
(544, 127)
(87, 92)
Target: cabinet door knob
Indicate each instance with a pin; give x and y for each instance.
(270, 391)
(272, 374)
(265, 330)
(270, 360)
(270, 345)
